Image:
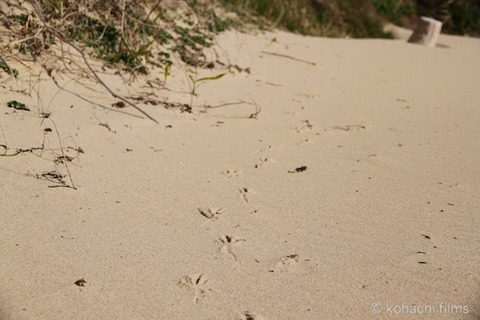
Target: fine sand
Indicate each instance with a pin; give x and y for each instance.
(343, 184)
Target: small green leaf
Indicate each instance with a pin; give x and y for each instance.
(7, 69)
(166, 72)
(142, 50)
(218, 76)
(17, 105)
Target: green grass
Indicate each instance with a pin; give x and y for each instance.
(358, 19)
(394, 10)
(143, 33)
(5, 67)
(128, 35)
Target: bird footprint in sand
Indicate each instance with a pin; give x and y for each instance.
(247, 315)
(244, 193)
(196, 284)
(290, 263)
(306, 125)
(230, 174)
(210, 213)
(304, 141)
(262, 161)
(226, 246)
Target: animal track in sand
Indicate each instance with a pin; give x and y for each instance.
(226, 246)
(247, 315)
(218, 124)
(196, 284)
(306, 125)
(243, 194)
(210, 213)
(266, 149)
(230, 174)
(304, 141)
(262, 161)
(290, 263)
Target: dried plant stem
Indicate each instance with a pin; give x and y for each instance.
(95, 75)
(254, 115)
(93, 102)
(151, 11)
(63, 155)
(288, 57)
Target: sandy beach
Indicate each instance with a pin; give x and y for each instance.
(318, 179)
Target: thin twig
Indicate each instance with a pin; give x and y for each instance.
(151, 11)
(5, 146)
(288, 57)
(62, 38)
(63, 155)
(226, 104)
(254, 115)
(93, 102)
(105, 86)
(123, 16)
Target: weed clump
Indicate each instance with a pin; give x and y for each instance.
(131, 34)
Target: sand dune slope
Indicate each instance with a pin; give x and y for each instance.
(353, 194)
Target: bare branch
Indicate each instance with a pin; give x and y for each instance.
(80, 51)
